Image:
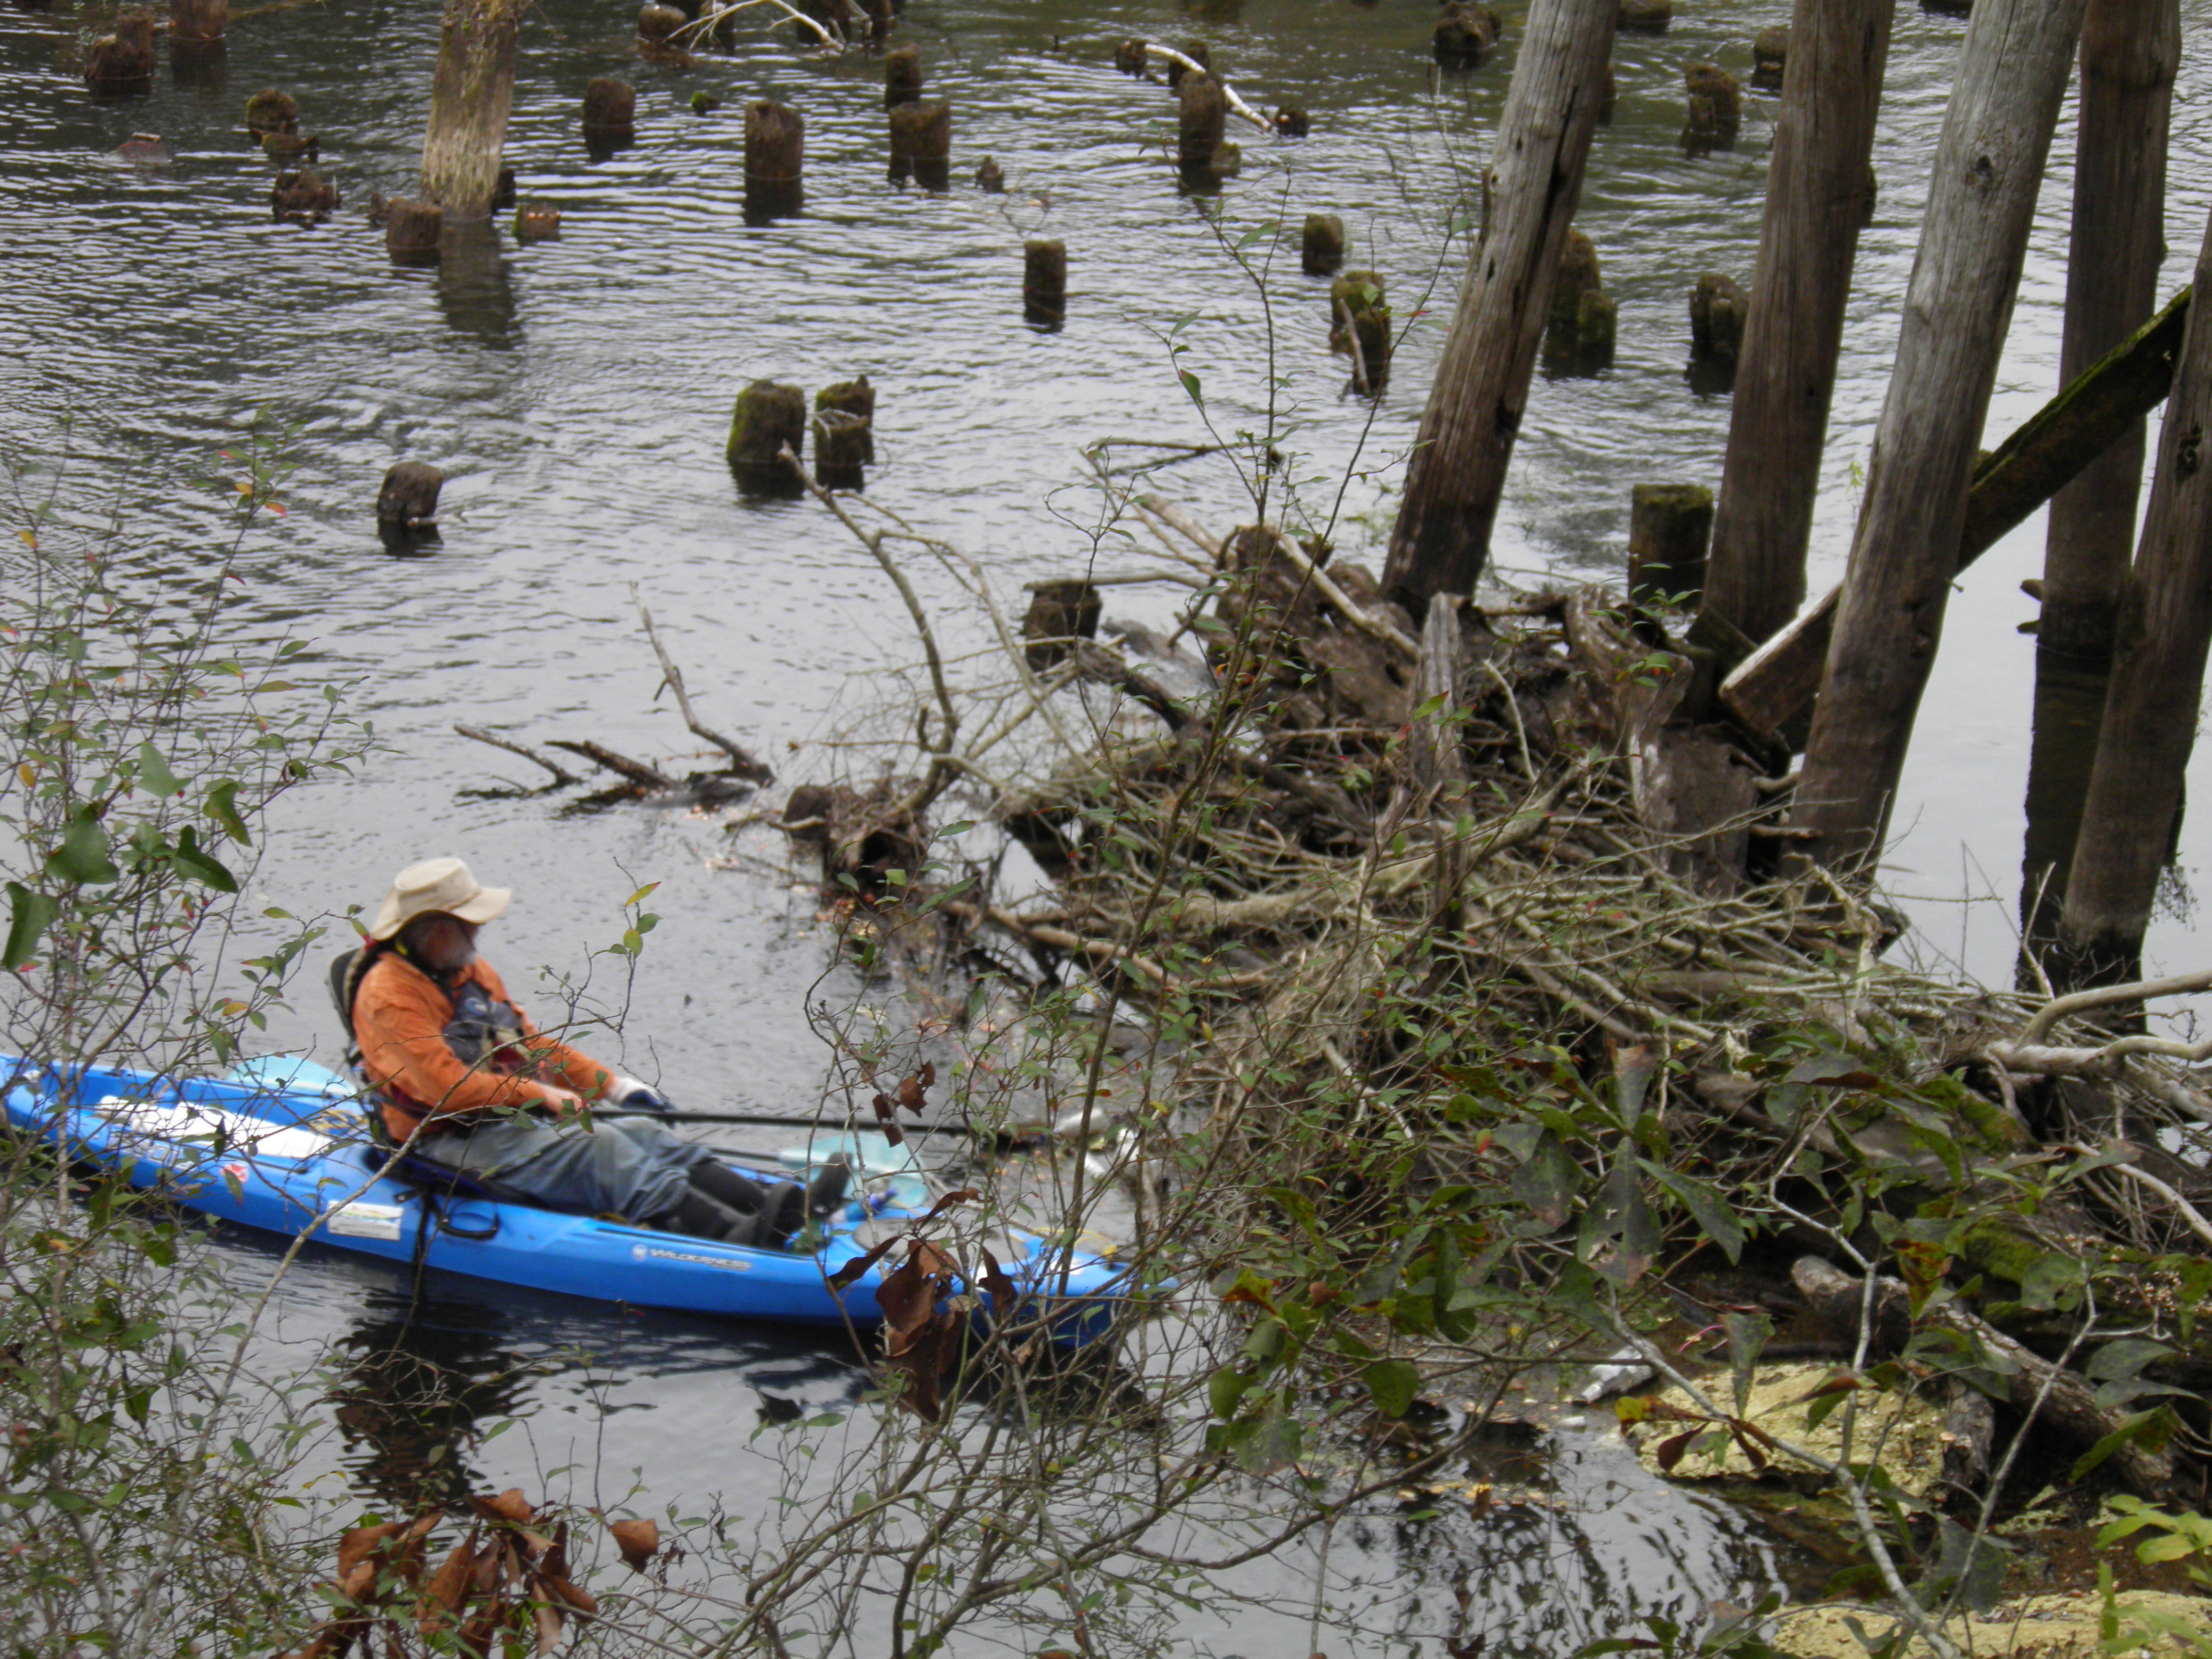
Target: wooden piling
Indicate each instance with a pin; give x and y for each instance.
(1669, 528)
(1201, 121)
(609, 111)
(409, 497)
(1465, 34)
(411, 232)
(766, 419)
(1770, 57)
(1608, 94)
(2131, 49)
(2158, 682)
(2069, 710)
(1580, 328)
(1059, 613)
(1291, 120)
(902, 76)
(1719, 306)
(1320, 246)
(197, 22)
(123, 61)
(775, 156)
(1441, 537)
(921, 144)
(1359, 326)
(471, 91)
(1988, 167)
(1816, 201)
(1044, 281)
(1715, 111)
(844, 433)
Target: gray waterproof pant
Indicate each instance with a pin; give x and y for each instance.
(632, 1167)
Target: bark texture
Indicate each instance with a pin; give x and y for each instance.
(1988, 164)
(1816, 200)
(1458, 471)
(2157, 687)
(471, 95)
(2131, 49)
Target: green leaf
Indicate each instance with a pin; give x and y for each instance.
(1190, 385)
(2123, 1358)
(1712, 1212)
(1391, 1384)
(221, 806)
(1259, 232)
(1225, 1389)
(154, 772)
(82, 856)
(192, 862)
(29, 917)
(1746, 1334)
(2143, 1425)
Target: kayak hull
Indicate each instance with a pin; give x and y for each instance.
(282, 1157)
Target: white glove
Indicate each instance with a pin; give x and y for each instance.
(633, 1094)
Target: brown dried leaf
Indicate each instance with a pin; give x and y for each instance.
(509, 1505)
(1670, 1450)
(548, 1620)
(476, 1637)
(913, 1089)
(887, 1116)
(860, 1264)
(963, 1195)
(1005, 1300)
(582, 1600)
(923, 1361)
(639, 1540)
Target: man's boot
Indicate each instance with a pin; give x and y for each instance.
(785, 1214)
(696, 1213)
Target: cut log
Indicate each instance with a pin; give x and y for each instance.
(1770, 688)
(1817, 198)
(1453, 482)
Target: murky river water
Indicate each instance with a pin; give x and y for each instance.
(577, 392)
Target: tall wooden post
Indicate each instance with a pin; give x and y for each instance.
(470, 96)
(1816, 199)
(2131, 49)
(1458, 471)
(1989, 163)
(2157, 683)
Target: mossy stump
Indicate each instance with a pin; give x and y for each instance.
(1715, 109)
(657, 26)
(1465, 34)
(1670, 530)
(123, 61)
(1130, 55)
(1201, 119)
(302, 197)
(411, 231)
(1320, 246)
(409, 497)
(990, 178)
(271, 110)
(775, 161)
(844, 433)
(609, 111)
(1718, 307)
(1199, 54)
(1360, 325)
(537, 222)
(197, 23)
(921, 144)
(1580, 328)
(766, 418)
(1059, 613)
(1770, 57)
(1291, 120)
(1645, 17)
(902, 76)
(1044, 281)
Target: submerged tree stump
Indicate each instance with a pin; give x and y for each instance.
(844, 433)
(1044, 280)
(1670, 527)
(1465, 34)
(1292, 121)
(921, 144)
(1199, 54)
(1646, 16)
(411, 232)
(1580, 328)
(195, 23)
(271, 110)
(1719, 306)
(610, 110)
(1201, 119)
(302, 197)
(775, 156)
(990, 178)
(537, 222)
(1770, 57)
(902, 76)
(1715, 109)
(123, 61)
(1320, 246)
(767, 417)
(409, 498)
(1130, 55)
(1359, 324)
(1059, 613)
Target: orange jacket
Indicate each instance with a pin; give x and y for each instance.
(399, 1018)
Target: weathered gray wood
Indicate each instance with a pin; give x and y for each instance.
(1989, 165)
(1775, 682)
(1441, 539)
(2130, 51)
(2157, 684)
(471, 94)
(1432, 746)
(1816, 189)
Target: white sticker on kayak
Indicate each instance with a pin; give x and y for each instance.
(652, 1253)
(364, 1220)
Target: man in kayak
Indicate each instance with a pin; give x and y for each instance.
(464, 1080)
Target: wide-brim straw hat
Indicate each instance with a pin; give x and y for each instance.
(436, 887)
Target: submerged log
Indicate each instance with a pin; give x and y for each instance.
(1770, 57)
(1669, 527)
(1465, 34)
(1817, 198)
(844, 433)
(1646, 16)
(1715, 109)
(1199, 54)
(197, 22)
(271, 110)
(1441, 537)
(902, 76)
(1987, 170)
(1772, 686)
(1719, 306)
(1580, 330)
(1201, 120)
(990, 178)
(1360, 325)
(303, 197)
(537, 222)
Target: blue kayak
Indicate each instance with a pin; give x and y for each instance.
(285, 1146)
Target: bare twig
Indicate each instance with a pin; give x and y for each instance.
(1227, 91)
(743, 762)
(636, 771)
(2107, 996)
(561, 775)
(2193, 1216)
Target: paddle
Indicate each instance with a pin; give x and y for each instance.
(672, 1115)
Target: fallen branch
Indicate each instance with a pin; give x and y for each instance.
(562, 776)
(2105, 996)
(2193, 1216)
(1227, 91)
(743, 764)
(636, 771)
